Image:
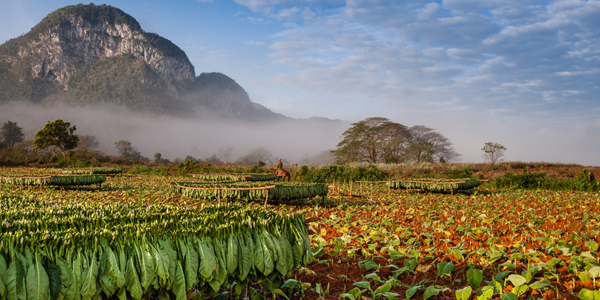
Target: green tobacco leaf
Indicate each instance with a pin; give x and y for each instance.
(280, 293)
(584, 276)
(516, 280)
(586, 294)
(413, 290)
(593, 246)
(2, 289)
(485, 293)
(363, 284)
(114, 272)
(190, 269)
(147, 270)
(132, 281)
(10, 278)
(457, 254)
(501, 275)
(179, 283)
(232, 253)
(430, 292)
(474, 277)
(245, 258)
(520, 290)
(464, 293)
(88, 287)
(384, 288)
(509, 296)
(595, 271)
(539, 284)
(395, 254)
(38, 284)
(208, 261)
(444, 268)
(411, 264)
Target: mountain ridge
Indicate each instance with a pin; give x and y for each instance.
(86, 55)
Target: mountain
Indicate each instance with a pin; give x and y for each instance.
(87, 55)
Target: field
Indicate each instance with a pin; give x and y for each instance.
(377, 242)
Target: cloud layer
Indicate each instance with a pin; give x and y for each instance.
(535, 64)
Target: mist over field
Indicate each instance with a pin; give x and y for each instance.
(176, 137)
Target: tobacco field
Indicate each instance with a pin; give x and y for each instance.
(369, 243)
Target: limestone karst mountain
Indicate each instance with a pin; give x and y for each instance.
(87, 55)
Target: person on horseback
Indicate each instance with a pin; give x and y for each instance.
(280, 172)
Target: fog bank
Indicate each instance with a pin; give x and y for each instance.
(175, 137)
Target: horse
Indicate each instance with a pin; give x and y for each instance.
(281, 173)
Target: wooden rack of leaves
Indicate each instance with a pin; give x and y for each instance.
(435, 185)
(95, 171)
(235, 177)
(250, 190)
(55, 180)
(54, 250)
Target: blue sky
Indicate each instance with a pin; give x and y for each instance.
(525, 74)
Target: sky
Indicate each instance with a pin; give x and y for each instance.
(525, 74)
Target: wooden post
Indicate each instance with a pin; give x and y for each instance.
(361, 190)
(351, 182)
(451, 190)
(267, 198)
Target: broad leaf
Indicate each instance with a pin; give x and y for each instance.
(430, 292)
(485, 293)
(586, 294)
(464, 293)
(132, 280)
(509, 296)
(179, 283)
(474, 277)
(517, 280)
(38, 284)
(413, 290)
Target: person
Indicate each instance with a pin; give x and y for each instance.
(279, 165)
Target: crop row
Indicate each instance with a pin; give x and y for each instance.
(435, 185)
(250, 191)
(60, 180)
(233, 177)
(83, 251)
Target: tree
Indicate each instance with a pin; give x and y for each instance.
(127, 151)
(225, 153)
(372, 140)
(493, 152)
(158, 159)
(11, 134)
(213, 160)
(256, 155)
(57, 134)
(87, 141)
(428, 145)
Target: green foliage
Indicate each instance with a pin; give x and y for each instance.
(242, 190)
(127, 151)
(147, 170)
(585, 181)
(57, 133)
(339, 173)
(493, 152)
(137, 251)
(435, 185)
(372, 140)
(11, 134)
(458, 173)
